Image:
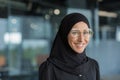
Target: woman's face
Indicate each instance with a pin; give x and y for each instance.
(79, 36)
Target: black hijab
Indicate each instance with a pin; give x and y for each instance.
(62, 55)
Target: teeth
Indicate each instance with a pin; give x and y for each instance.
(79, 45)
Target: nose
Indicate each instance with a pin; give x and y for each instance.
(80, 37)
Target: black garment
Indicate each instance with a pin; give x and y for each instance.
(88, 71)
(64, 63)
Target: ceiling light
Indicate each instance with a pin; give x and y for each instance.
(107, 14)
(56, 11)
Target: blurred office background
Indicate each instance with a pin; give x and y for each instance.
(28, 27)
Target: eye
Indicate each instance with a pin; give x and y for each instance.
(86, 32)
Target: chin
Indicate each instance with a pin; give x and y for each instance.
(79, 52)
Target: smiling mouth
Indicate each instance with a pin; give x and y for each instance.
(79, 45)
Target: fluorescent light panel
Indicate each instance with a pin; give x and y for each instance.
(108, 14)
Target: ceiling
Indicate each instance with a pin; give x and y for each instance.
(109, 5)
(32, 5)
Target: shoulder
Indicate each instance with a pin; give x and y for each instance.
(42, 65)
(95, 65)
(46, 71)
(93, 61)
(46, 65)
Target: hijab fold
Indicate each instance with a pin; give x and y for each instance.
(62, 55)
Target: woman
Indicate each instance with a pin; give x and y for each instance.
(68, 60)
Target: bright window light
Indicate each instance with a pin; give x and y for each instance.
(14, 37)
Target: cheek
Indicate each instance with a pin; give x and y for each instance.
(74, 40)
(87, 41)
(70, 39)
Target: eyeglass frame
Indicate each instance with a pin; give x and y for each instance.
(86, 33)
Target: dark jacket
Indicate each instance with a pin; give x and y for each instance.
(89, 71)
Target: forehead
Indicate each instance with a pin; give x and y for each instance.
(80, 26)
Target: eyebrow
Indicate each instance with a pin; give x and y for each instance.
(77, 30)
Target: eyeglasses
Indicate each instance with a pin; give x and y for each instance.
(77, 33)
